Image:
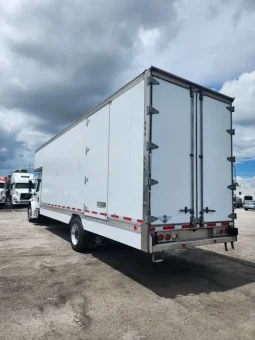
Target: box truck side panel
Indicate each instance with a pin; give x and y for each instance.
(217, 173)
(62, 163)
(95, 156)
(171, 162)
(125, 193)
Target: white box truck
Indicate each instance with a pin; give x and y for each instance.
(150, 167)
(20, 193)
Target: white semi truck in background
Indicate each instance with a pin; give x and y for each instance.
(150, 167)
(3, 185)
(20, 191)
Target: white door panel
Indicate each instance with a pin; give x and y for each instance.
(96, 143)
(171, 162)
(216, 168)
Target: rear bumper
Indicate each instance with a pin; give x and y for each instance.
(189, 244)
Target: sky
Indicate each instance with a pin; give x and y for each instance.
(60, 58)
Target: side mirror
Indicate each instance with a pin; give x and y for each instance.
(30, 185)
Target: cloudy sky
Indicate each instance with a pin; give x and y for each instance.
(59, 58)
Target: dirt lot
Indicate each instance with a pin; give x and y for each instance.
(47, 291)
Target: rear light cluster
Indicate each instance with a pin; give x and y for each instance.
(165, 237)
(220, 231)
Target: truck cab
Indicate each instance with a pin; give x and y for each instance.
(35, 201)
(3, 181)
(20, 192)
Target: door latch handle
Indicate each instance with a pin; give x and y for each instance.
(207, 210)
(186, 210)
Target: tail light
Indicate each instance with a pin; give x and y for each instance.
(160, 237)
(221, 231)
(225, 230)
(167, 237)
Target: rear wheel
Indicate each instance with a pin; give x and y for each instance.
(246, 209)
(79, 237)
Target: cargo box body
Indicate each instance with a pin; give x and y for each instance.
(153, 159)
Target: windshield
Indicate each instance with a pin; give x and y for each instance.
(248, 198)
(2, 185)
(24, 186)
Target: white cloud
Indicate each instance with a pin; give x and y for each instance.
(3, 150)
(246, 182)
(243, 89)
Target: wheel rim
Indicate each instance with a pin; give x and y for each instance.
(75, 234)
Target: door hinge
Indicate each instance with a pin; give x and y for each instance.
(86, 180)
(231, 132)
(150, 146)
(86, 150)
(231, 159)
(149, 182)
(230, 108)
(87, 122)
(232, 186)
(151, 110)
(152, 81)
(233, 216)
(150, 219)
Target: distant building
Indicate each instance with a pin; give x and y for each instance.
(243, 191)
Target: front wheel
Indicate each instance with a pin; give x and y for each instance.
(79, 237)
(246, 209)
(29, 214)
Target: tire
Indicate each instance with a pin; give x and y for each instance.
(79, 237)
(246, 209)
(29, 213)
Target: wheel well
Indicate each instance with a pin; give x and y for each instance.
(74, 216)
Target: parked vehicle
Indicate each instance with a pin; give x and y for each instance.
(238, 203)
(140, 169)
(3, 181)
(20, 192)
(248, 203)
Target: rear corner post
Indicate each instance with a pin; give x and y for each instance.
(149, 111)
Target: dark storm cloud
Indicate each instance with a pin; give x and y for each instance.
(71, 53)
(61, 58)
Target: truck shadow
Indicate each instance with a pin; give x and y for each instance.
(187, 272)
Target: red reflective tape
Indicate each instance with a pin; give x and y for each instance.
(214, 241)
(55, 205)
(224, 223)
(94, 212)
(139, 221)
(184, 245)
(115, 216)
(152, 229)
(52, 205)
(87, 210)
(68, 207)
(73, 209)
(168, 227)
(186, 226)
(127, 218)
(79, 209)
(135, 228)
(59, 206)
(211, 224)
(103, 214)
(63, 206)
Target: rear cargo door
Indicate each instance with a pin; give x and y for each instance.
(172, 163)
(96, 145)
(214, 170)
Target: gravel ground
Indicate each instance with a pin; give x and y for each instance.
(47, 291)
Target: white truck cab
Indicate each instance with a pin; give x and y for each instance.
(35, 201)
(19, 188)
(3, 181)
